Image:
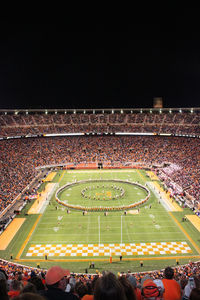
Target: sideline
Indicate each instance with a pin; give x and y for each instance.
(107, 259)
(61, 176)
(41, 199)
(171, 204)
(152, 175)
(28, 237)
(50, 177)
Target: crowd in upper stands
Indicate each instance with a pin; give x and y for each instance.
(176, 123)
(20, 157)
(179, 283)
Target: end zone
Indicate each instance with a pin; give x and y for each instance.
(195, 220)
(10, 232)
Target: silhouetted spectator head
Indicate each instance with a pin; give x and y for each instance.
(132, 280)
(15, 285)
(80, 289)
(37, 281)
(29, 296)
(3, 289)
(29, 288)
(195, 294)
(128, 288)
(3, 274)
(169, 273)
(108, 287)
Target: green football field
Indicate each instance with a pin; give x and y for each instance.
(149, 232)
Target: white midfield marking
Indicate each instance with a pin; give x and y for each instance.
(152, 216)
(157, 226)
(56, 229)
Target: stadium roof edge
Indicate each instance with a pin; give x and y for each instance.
(98, 110)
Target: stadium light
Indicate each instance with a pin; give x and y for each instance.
(180, 110)
(46, 112)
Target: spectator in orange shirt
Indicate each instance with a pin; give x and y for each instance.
(172, 288)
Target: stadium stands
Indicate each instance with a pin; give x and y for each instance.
(38, 122)
(23, 274)
(20, 157)
(175, 158)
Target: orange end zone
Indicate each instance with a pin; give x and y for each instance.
(50, 176)
(195, 220)
(9, 233)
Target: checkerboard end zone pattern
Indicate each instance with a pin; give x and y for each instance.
(132, 249)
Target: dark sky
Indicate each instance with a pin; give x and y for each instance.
(99, 65)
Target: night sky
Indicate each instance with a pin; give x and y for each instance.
(99, 65)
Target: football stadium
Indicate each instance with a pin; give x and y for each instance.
(100, 190)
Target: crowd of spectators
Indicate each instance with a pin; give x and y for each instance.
(180, 283)
(175, 123)
(177, 160)
(20, 157)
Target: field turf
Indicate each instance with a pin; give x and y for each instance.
(152, 223)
